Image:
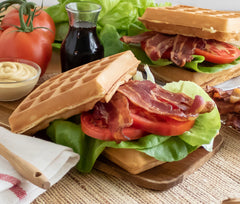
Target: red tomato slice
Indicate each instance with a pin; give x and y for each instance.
(141, 125)
(168, 127)
(103, 133)
(219, 52)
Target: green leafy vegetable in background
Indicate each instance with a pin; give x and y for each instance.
(116, 18)
(163, 148)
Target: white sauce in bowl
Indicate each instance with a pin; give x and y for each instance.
(15, 71)
(17, 78)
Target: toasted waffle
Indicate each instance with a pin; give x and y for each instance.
(131, 160)
(73, 92)
(171, 73)
(193, 21)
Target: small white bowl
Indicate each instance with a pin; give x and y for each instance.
(11, 91)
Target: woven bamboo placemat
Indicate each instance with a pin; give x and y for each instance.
(215, 181)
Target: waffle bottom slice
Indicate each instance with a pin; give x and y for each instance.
(171, 73)
(131, 160)
(73, 92)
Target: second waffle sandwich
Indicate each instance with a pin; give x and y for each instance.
(190, 43)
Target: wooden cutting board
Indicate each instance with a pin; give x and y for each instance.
(161, 177)
(6, 108)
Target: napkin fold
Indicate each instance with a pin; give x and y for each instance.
(53, 160)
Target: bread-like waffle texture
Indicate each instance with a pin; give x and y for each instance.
(193, 21)
(73, 92)
(131, 160)
(171, 73)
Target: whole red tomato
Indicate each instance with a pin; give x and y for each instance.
(41, 19)
(26, 45)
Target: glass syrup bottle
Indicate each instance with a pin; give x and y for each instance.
(81, 44)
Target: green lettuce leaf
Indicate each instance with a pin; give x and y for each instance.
(110, 38)
(160, 147)
(213, 123)
(121, 16)
(61, 31)
(199, 65)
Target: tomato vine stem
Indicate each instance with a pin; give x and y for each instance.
(6, 4)
(28, 9)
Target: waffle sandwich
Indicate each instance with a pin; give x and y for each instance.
(97, 88)
(72, 92)
(191, 23)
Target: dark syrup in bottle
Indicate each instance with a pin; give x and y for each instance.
(80, 46)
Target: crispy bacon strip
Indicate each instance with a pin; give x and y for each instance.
(183, 49)
(233, 120)
(151, 98)
(155, 99)
(115, 115)
(228, 103)
(138, 38)
(156, 44)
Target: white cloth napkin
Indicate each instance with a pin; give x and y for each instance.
(53, 160)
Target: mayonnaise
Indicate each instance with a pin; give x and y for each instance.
(17, 79)
(15, 71)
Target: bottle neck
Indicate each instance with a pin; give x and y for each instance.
(75, 18)
(83, 12)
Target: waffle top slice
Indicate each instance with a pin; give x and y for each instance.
(73, 92)
(193, 21)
